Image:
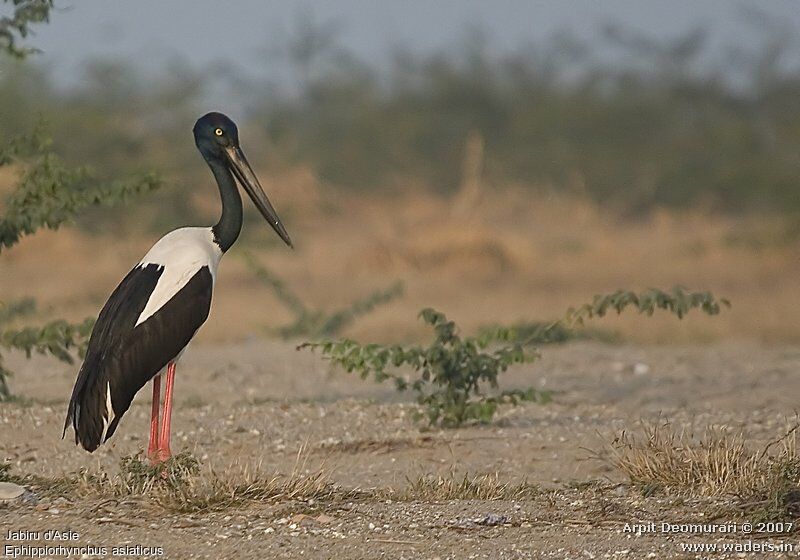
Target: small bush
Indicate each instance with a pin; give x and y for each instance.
(452, 371)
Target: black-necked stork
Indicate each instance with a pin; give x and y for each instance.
(152, 315)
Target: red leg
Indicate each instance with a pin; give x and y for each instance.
(152, 447)
(164, 452)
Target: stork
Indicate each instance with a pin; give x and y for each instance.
(158, 307)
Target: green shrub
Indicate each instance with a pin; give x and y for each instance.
(18, 25)
(48, 195)
(451, 372)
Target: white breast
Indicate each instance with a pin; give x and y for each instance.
(181, 253)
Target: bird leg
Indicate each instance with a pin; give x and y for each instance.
(164, 452)
(152, 447)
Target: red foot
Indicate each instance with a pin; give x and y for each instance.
(159, 456)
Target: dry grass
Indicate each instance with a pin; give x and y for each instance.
(437, 488)
(138, 476)
(182, 485)
(186, 488)
(234, 489)
(765, 480)
(520, 257)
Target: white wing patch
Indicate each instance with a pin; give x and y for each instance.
(179, 254)
(109, 413)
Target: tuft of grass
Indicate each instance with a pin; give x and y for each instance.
(138, 476)
(44, 486)
(216, 491)
(765, 481)
(180, 485)
(466, 487)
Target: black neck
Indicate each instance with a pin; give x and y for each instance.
(227, 229)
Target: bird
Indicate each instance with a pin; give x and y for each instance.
(153, 314)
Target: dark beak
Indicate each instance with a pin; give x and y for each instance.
(247, 178)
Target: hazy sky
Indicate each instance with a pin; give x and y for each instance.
(154, 32)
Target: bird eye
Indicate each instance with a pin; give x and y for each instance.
(218, 132)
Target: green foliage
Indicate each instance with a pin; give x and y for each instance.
(20, 308)
(451, 370)
(678, 302)
(9, 312)
(49, 194)
(315, 323)
(18, 25)
(547, 332)
(56, 338)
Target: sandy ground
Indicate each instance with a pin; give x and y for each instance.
(243, 399)
(260, 401)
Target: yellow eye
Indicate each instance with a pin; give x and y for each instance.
(218, 132)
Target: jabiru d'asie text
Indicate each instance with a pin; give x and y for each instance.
(158, 307)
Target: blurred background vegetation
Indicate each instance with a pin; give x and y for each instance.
(663, 126)
(499, 185)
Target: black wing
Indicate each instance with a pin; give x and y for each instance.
(122, 356)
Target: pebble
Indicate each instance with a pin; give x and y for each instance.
(491, 520)
(10, 491)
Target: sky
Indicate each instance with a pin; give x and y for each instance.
(243, 33)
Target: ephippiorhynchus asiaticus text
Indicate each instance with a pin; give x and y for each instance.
(152, 315)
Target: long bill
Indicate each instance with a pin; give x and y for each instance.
(247, 178)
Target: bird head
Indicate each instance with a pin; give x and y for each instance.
(217, 138)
